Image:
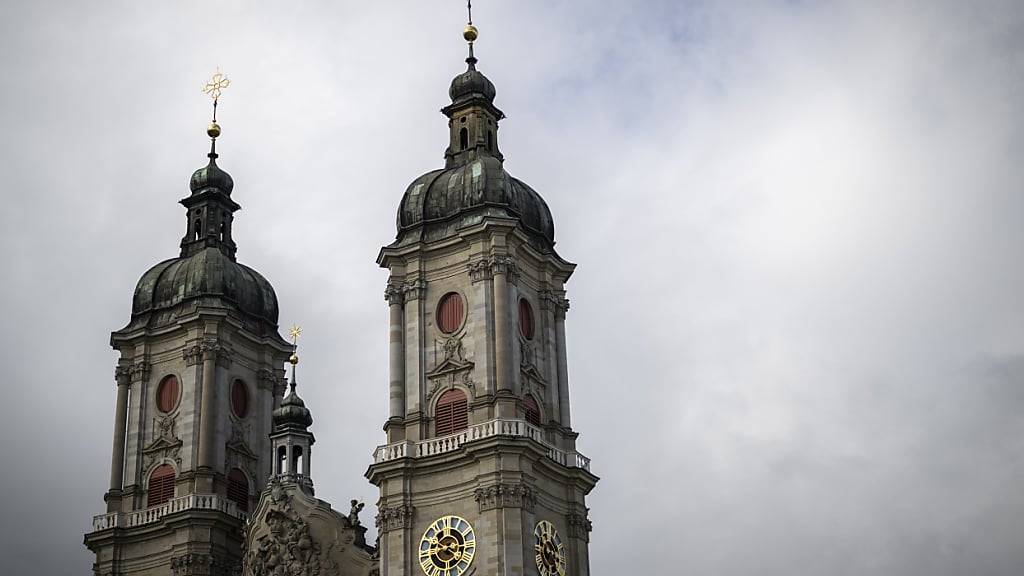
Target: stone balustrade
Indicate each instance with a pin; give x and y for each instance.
(154, 513)
(496, 427)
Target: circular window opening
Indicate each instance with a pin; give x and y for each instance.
(450, 313)
(167, 394)
(239, 399)
(525, 319)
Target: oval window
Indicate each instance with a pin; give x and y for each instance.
(450, 313)
(167, 394)
(525, 319)
(239, 399)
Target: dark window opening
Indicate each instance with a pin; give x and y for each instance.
(463, 139)
(238, 489)
(197, 228)
(297, 457)
(532, 410)
(490, 141)
(282, 456)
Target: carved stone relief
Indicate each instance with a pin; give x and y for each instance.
(165, 445)
(579, 525)
(452, 369)
(394, 518)
(287, 548)
(237, 453)
(505, 496)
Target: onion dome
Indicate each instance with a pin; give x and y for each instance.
(211, 176)
(205, 275)
(207, 278)
(471, 83)
(473, 185)
(437, 204)
(292, 415)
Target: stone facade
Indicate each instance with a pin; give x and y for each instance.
(210, 324)
(472, 230)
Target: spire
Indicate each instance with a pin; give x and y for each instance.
(473, 117)
(210, 207)
(293, 414)
(290, 438)
(470, 33)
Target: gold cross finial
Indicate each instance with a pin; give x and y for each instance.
(216, 84)
(295, 332)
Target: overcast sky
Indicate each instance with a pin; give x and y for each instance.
(796, 340)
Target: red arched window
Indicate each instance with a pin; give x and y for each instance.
(238, 489)
(525, 319)
(239, 399)
(532, 410)
(450, 312)
(452, 413)
(167, 394)
(161, 486)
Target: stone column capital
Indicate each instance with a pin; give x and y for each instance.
(414, 290)
(123, 375)
(480, 270)
(139, 371)
(394, 294)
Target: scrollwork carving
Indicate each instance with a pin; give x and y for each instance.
(505, 496)
(139, 371)
(165, 445)
(414, 290)
(288, 548)
(579, 525)
(394, 518)
(394, 294)
(192, 355)
(480, 270)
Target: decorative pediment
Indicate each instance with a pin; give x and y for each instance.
(165, 444)
(528, 362)
(238, 454)
(452, 369)
(291, 533)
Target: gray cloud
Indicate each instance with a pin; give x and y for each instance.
(796, 224)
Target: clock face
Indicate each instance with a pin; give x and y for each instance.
(550, 550)
(447, 547)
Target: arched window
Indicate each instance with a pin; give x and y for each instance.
(532, 410)
(452, 413)
(239, 399)
(525, 319)
(161, 486)
(238, 489)
(297, 456)
(450, 312)
(198, 227)
(282, 457)
(167, 394)
(490, 141)
(463, 139)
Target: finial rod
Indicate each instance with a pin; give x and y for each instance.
(295, 332)
(213, 89)
(469, 9)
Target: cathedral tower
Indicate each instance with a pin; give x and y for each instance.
(480, 474)
(199, 375)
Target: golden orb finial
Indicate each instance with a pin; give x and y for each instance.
(213, 130)
(470, 33)
(294, 359)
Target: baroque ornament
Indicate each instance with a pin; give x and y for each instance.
(165, 445)
(505, 496)
(287, 549)
(394, 517)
